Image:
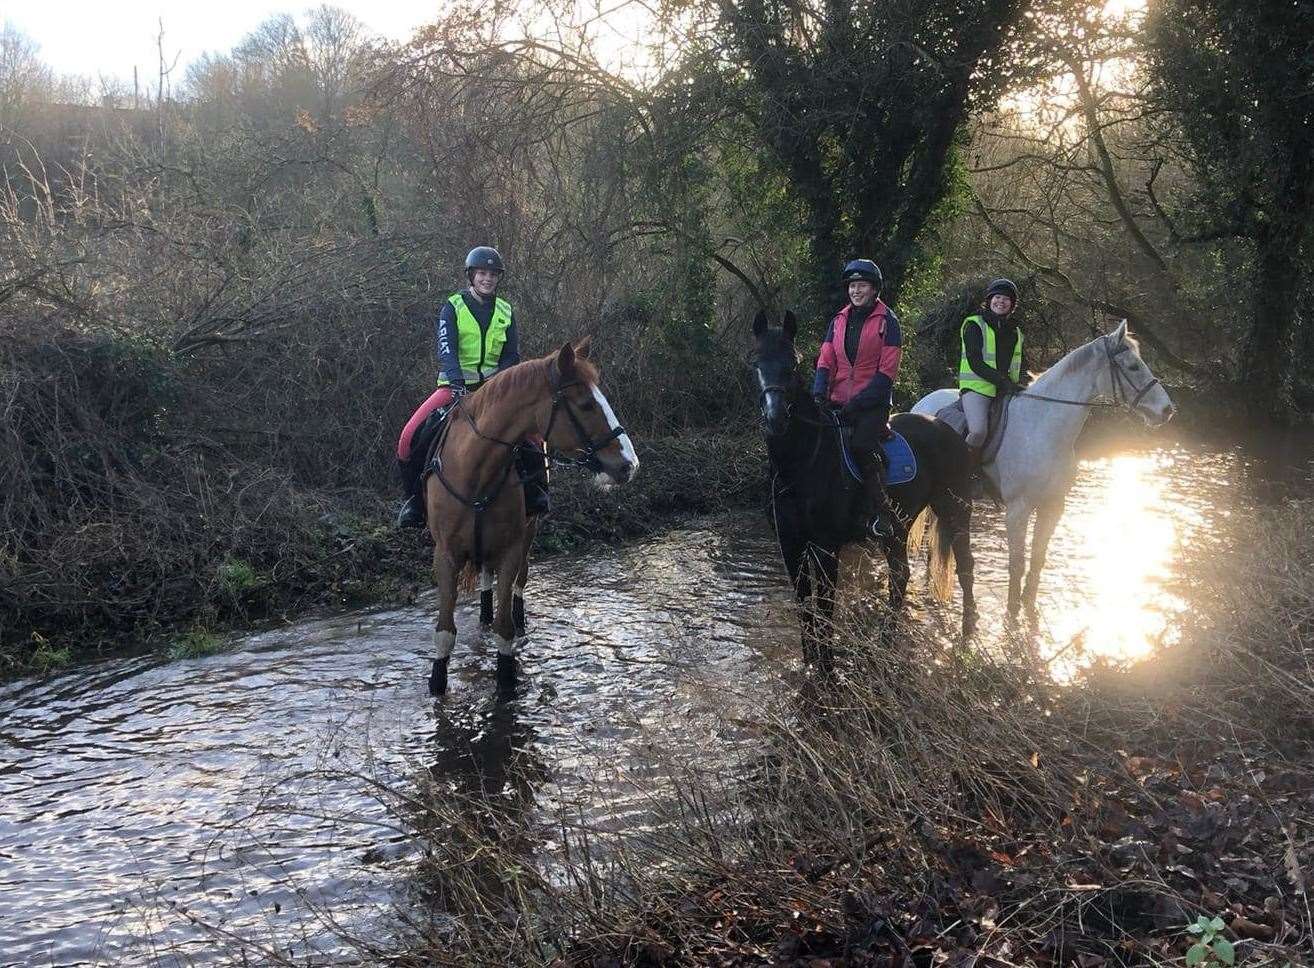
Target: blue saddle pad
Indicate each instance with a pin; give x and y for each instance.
(900, 462)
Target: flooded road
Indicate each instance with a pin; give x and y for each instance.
(149, 809)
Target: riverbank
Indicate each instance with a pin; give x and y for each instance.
(263, 549)
(936, 806)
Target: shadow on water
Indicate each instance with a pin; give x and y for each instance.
(242, 790)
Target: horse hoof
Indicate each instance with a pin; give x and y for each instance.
(506, 670)
(486, 607)
(438, 678)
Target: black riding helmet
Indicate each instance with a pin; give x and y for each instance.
(484, 257)
(863, 270)
(1002, 287)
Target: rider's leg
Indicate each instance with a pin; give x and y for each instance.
(532, 466)
(410, 459)
(976, 408)
(869, 429)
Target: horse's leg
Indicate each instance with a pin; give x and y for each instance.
(1047, 518)
(1019, 513)
(896, 554)
(956, 513)
(793, 549)
(485, 596)
(826, 561)
(518, 587)
(444, 633)
(504, 628)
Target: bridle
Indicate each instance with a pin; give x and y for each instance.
(1120, 382)
(587, 450)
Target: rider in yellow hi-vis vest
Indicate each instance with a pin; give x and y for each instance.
(475, 338)
(987, 338)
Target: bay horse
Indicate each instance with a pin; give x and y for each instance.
(475, 500)
(1034, 464)
(818, 507)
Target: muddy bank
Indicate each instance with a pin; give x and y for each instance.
(286, 551)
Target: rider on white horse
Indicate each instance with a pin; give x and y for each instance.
(988, 338)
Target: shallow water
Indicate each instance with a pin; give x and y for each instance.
(139, 797)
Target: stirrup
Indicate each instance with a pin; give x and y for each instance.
(411, 514)
(880, 528)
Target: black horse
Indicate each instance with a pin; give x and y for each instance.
(818, 507)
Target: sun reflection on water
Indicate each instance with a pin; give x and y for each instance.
(1106, 593)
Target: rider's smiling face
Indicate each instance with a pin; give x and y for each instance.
(1000, 304)
(484, 281)
(861, 293)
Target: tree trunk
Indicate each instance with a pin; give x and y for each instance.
(1267, 362)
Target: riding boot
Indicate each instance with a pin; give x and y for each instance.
(882, 524)
(976, 478)
(411, 513)
(531, 464)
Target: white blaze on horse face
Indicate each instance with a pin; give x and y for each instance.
(443, 641)
(627, 448)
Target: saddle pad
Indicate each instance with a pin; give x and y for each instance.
(900, 462)
(953, 415)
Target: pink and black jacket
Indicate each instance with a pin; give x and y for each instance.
(867, 380)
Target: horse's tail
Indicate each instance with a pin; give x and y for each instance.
(917, 530)
(942, 556)
(468, 579)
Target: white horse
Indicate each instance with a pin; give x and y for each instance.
(1034, 465)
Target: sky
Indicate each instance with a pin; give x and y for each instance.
(94, 37)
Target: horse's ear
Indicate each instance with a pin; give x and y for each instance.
(760, 323)
(566, 362)
(1120, 334)
(791, 325)
(584, 347)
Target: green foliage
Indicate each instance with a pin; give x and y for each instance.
(861, 110)
(196, 644)
(46, 657)
(1210, 947)
(237, 577)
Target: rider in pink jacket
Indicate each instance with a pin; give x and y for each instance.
(856, 370)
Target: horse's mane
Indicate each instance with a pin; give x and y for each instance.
(529, 379)
(1066, 361)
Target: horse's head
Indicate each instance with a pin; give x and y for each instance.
(775, 362)
(582, 424)
(1131, 382)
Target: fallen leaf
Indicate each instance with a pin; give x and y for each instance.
(1245, 928)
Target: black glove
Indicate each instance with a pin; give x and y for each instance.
(458, 391)
(1010, 387)
(822, 402)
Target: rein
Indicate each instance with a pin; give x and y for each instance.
(588, 448)
(1121, 383)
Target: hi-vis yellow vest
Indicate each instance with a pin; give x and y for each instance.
(478, 351)
(967, 378)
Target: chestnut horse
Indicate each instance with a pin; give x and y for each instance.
(475, 501)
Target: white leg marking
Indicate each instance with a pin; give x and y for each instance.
(486, 580)
(504, 646)
(443, 641)
(627, 448)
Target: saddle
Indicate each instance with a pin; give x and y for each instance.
(957, 420)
